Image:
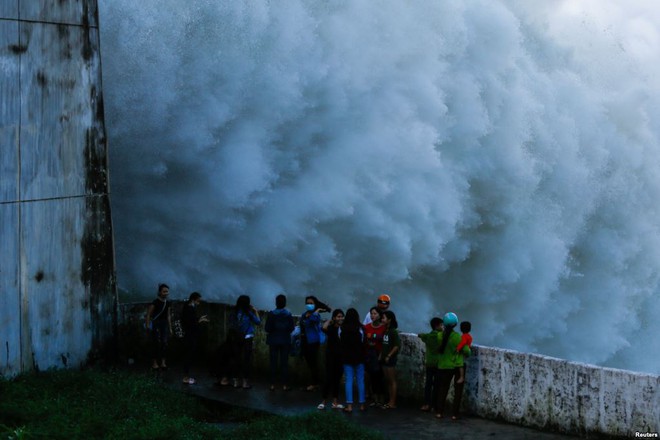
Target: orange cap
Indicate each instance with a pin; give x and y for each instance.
(384, 298)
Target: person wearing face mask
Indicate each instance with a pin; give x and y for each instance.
(158, 323)
(310, 336)
(334, 367)
(191, 328)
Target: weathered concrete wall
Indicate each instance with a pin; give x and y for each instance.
(522, 388)
(546, 392)
(57, 300)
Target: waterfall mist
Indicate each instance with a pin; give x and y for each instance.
(499, 159)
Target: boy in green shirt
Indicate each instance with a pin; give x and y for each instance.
(431, 362)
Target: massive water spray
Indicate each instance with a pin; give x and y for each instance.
(495, 158)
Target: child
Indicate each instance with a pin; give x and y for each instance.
(431, 360)
(466, 339)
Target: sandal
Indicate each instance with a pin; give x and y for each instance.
(425, 408)
(337, 406)
(388, 406)
(189, 381)
(321, 406)
(438, 416)
(348, 410)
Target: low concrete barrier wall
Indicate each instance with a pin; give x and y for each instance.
(521, 388)
(550, 393)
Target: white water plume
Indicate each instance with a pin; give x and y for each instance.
(499, 159)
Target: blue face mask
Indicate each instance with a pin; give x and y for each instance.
(310, 307)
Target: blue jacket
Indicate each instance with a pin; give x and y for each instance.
(244, 322)
(311, 327)
(279, 325)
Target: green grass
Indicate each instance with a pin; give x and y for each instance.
(92, 404)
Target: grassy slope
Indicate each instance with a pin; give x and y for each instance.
(117, 405)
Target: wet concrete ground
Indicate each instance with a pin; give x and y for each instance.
(404, 422)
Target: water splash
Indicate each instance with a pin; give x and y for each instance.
(489, 158)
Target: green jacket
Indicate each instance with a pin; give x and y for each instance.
(432, 344)
(449, 359)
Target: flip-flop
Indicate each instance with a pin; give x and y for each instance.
(320, 406)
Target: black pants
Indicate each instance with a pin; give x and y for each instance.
(190, 343)
(444, 381)
(241, 357)
(431, 387)
(374, 370)
(279, 357)
(160, 334)
(334, 370)
(311, 354)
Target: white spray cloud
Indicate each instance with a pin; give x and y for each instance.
(497, 159)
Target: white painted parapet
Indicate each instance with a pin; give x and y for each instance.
(545, 392)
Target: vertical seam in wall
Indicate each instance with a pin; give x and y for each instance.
(21, 335)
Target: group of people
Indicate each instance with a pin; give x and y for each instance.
(364, 352)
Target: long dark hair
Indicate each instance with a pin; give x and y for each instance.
(318, 304)
(194, 297)
(445, 337)
(243, 304)
(392, 318)
(351, 321)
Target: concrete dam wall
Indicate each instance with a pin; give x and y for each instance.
(57, 287)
